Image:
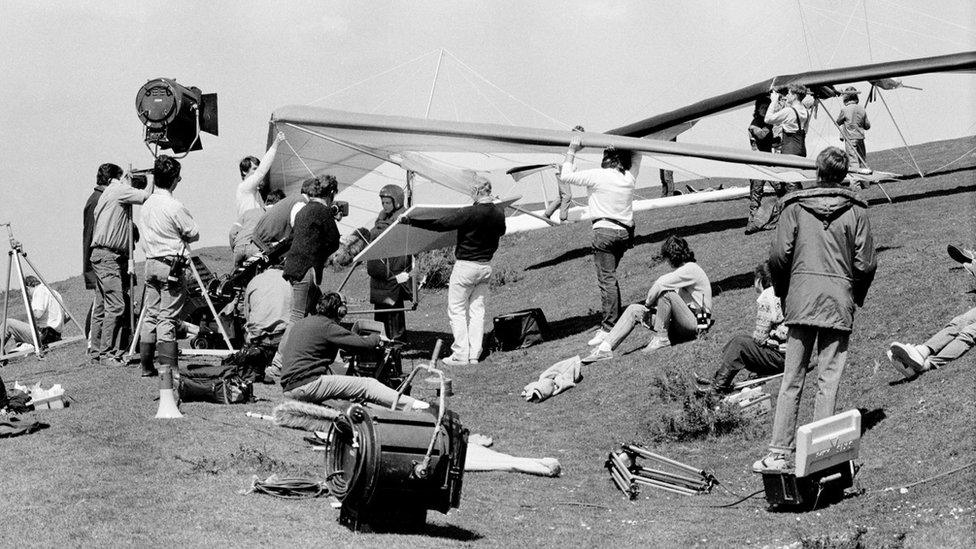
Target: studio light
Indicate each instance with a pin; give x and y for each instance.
(174, 115)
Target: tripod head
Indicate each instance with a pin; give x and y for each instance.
(15, 244)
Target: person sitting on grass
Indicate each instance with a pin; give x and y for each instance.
(950, 343)
(677, 299)
(312, 346)
(761, 353)
(49, 318)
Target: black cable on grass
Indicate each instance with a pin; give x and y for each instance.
(923, 481)
(738, 501)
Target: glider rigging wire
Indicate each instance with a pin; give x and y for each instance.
(363, 81)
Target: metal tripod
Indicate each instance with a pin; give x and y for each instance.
(14, 256)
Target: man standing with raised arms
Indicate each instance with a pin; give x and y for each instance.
(252, 174)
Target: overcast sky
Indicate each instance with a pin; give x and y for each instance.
(71, 70)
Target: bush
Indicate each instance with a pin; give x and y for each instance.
(699, 416)
(436, 267)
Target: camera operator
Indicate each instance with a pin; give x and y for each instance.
(110, 245)
(167, 228)
(311, 347)
(242, 231)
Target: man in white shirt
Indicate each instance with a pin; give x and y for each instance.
(48, 316)
(167, 227)
(252, 174)
(610, 204)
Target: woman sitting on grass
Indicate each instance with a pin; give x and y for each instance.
(677, 300)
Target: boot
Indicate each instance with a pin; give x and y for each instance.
(722, 382)
(147, 355)
(168, 357)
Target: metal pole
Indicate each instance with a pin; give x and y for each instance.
(27, 305)
(902, 136)
(348, 276)
(433, 84)
(6, 302)
(206, 297)
(142, 319)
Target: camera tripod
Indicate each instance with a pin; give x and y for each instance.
(14, 256)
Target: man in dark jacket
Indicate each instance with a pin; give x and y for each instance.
(93, 323)
(316, 339)
(389, 278)
(314, 239)
(822, 262)
(479, 227)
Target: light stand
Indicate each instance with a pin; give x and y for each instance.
(14, 256)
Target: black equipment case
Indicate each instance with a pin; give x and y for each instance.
(520, 329)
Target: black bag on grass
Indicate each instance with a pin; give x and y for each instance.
(520, 329)
(228, 390)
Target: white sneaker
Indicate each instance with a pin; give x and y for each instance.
(908, 356)
(454, 361)
(598, 338)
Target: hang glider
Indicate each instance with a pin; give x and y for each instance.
(365, 151)
(670, 124)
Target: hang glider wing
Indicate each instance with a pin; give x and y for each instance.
(663, 125)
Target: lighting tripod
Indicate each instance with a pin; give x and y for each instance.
(14, 255)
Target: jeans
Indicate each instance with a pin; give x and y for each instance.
(304, 295)
(953, 341)
(675, 318)
(832, 355)
(609, 246)
(164, 303)
(110, 268)
(467, 299)
(95, 318)
(562, 204)
(362, 389)
(631, 316)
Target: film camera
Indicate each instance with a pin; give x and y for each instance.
(340, 209)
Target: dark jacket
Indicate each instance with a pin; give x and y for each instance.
(311, 349)
(479, 227)
(822, 258)
(383, 289)
(314, 239)
(87, 270)
(275, 224)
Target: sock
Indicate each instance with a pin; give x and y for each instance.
(605, 347)
(924, 351)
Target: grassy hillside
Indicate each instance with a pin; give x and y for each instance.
(105, 473)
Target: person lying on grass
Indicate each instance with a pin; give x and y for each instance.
(367, 389)
(676, 299)
(761, 353)
(950, 343)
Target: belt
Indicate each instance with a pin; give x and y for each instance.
(167, 259)
(124, 253)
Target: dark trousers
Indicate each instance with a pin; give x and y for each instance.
(609, 246)
(110, 268)
(743, 353)
(394, 323)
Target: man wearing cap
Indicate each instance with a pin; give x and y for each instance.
(853, 122)
(950, 343)
(479, 228)
(168, 227)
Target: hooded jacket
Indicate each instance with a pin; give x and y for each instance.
(822, 258)
(383, 289)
